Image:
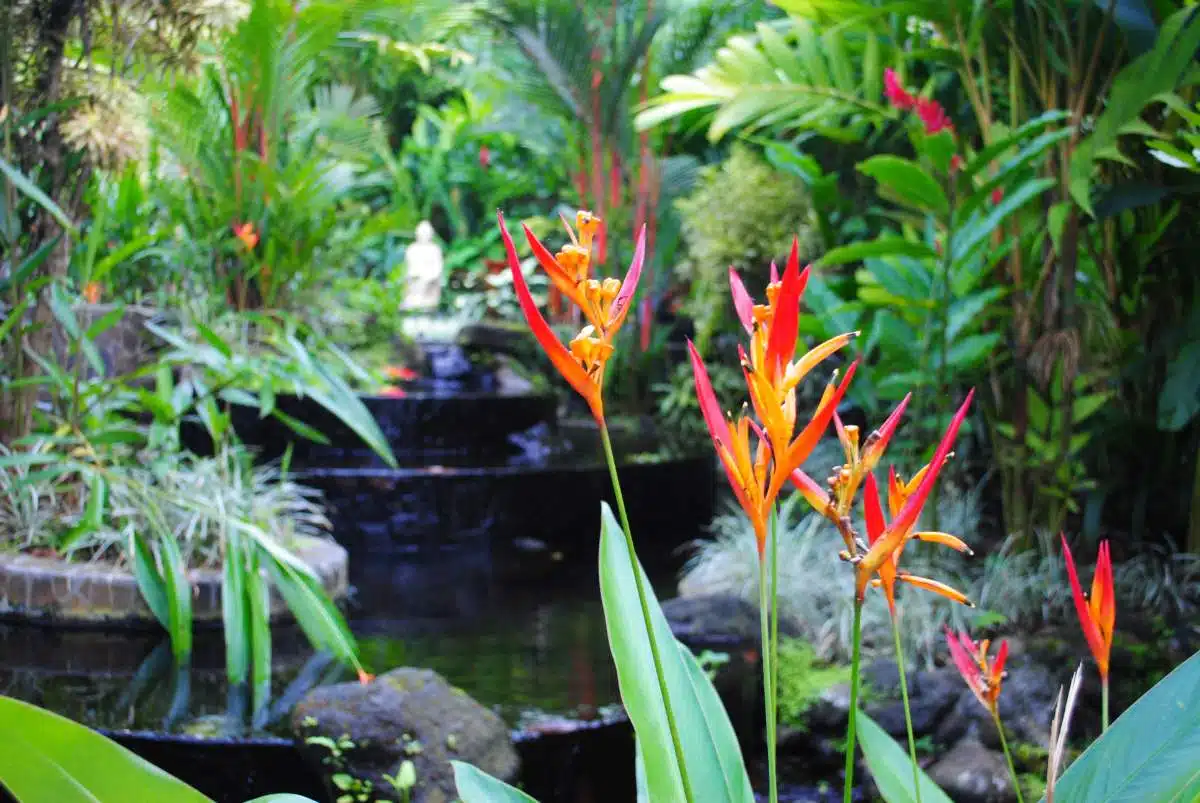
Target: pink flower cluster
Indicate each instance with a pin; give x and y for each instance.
(932, 115)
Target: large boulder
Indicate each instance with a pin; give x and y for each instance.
(715, 619)
(970, 773)
(931, 695)
(1026, 705)
(367, 731)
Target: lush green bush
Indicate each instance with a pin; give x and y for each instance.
(742, 213)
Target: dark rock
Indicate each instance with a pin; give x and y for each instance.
(406, 714)
(830, 710)
(1027, 703)
(882, 678)
(970, 773)
(931, 695)
(1026, 707)
(715, 619)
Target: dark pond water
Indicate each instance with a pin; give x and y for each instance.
(528, 652)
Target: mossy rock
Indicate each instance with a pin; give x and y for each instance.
(404, 715)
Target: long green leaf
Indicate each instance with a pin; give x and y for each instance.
(343, 402)
(883, 246)
(50, 759)
(968, 237)
(1151, 753)
(891, 768)
(259, 595)
(710, 748)
(1138, 84)
(28, 265)
(234, 613)
(906, 182)
(476, 786)
(983, 160)
(15, 316)
(93, 512)
(316, 614)
(35, 194)
(179, 598)
(149, 580)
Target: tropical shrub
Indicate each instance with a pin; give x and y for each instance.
(742, 212)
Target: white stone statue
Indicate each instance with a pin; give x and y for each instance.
(423, 263)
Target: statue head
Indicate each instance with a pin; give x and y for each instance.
(425, 232)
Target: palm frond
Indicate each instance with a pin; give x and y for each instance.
(785, 77)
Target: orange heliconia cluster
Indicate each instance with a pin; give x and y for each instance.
(1097, 613)
(983, 676)
(758, 470)
(603, 302)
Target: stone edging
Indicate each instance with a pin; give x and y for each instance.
(53, 591)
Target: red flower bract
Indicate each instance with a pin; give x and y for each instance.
(1097, 614)
(933, 116)
(897, 95)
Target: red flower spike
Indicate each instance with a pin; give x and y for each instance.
(800, 448)
(710, 408)
(785, 324)
(872, 512)
(888, 547)
(896, 94)
(877, 443)
(620, 305)
(568, 285)
(933, 116)
(742, 302)
(562, 359)
(811, 491)
(912, 508)
(1097, 615)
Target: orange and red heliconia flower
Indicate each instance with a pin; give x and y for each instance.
(889, 571)
(983, 676)
(886, 546)
(846, 478)
(603, 302)
(759, 453)
(1097, 613)
(91, 292)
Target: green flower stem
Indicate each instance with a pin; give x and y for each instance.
(1104, 704)
(1012, 769)
(774, 788)
(641, 590)
(770, 654)
(912, 742)
(852, 723)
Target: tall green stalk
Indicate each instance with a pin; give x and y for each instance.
(774, 787)
(641, 591)
(912, 742)
(1104, 704)
(768, 618)
(852, 723)
(1012, 768)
